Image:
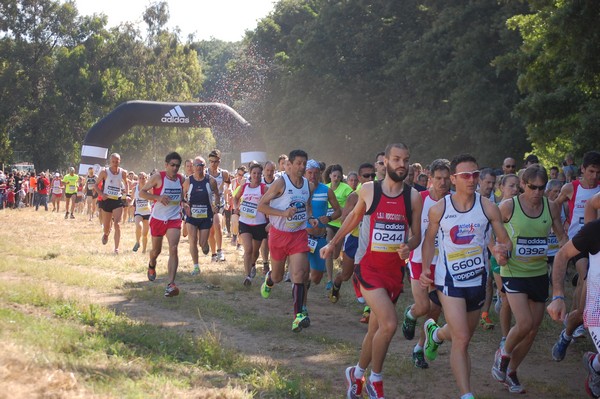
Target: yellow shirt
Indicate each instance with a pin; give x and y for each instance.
(71, 183)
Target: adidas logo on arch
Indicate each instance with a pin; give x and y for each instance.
(175, 115)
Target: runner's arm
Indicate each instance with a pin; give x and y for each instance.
(274, 191)
(591, 208)
(100, 178)
(501, 250)
(557, 226)
(557, 308)
(335, 205)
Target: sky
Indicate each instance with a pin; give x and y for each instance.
(220, 19)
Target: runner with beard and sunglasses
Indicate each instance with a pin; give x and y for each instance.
(390, 212)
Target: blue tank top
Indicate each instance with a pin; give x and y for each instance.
(319, 203)
(199, 196)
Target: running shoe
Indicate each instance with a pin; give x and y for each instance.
(247, 281)
(375, 389)
(116, 251)
(366, 315)
(408, 325)
(431, 347)
(72, 217)
(512, 383)
(579, 332)
(500, 365)
(252, 272)
(171, 290)
(329, 285)
(306, 322)
(486, 323)
(136, 247)
(151, 273)
(287, 277)
(360, 300)
(334, 294)
(502, 342)
(559, 350)
(265, 290)
(298, 322)
(220, 256)
(419, 359)
(67, 215)
(196, 271)
(104, 239)
(205, 249)
(214, 258)
(592, 382)
(355, 386)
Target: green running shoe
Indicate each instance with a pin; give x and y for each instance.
(265, 290)
(408, 325)
(431, 347)
(299, 322)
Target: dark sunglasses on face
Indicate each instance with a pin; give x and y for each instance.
(510, 166)
(369, 175)
(468, 175)
(538, 188)
(199, 164)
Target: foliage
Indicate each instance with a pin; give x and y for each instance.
(559, 71)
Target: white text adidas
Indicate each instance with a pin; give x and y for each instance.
(175, 115)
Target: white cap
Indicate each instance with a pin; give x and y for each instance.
(57, 174)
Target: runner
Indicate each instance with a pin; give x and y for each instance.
(287, 205)
(57, 188)
(509, 166)
(166, 189)
(216, 232)
(576, 193)
(366, 173)
(462, 222)
(252, 222)
(440, 177)
(90, 194)
(71, 181)
(528, 218)
(238, 181)
(585, 241)
(380, 166)
(390, 211)
(141, 214)
(198, 190)
(323, 198)
(282, 164)
(112, 179)
(341, 191)
(268, 179)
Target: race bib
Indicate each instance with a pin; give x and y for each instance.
(90, 186)
(199, 211)
(112, 192)
(143, 205)
(552, 242)
(299, 218)
(312, 245)
(174, 195)
(387, 236)
(466, 264)
(329, 212)
(248, 210)
(529, 249)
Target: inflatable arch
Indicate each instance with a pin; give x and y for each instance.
(221, 118)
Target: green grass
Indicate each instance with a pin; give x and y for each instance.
(124, 358)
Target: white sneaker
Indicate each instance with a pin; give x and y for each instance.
(220, 256)
(579, 332)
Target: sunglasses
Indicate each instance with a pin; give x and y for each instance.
(379, 163)
(176, 165)
(369, 175)
(510, 166)
(199, 164)
(538, 188)
(468, 175)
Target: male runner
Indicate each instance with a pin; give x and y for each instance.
(390, 211)
(112, 179)
(462, 224)
(287, 204)
(71, 181)
(440, 178)
(576, 194)
(216, 232)
(198, 190)
(166, 189)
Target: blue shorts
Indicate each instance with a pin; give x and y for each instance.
(200, 223)
(350, 245)
(314, 258)
(473, 296)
